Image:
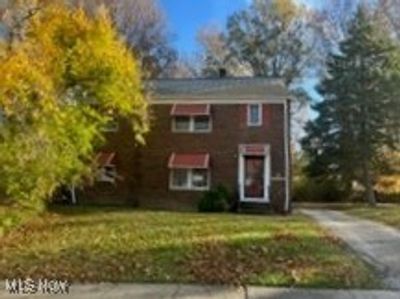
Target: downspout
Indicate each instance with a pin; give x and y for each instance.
(287, 155)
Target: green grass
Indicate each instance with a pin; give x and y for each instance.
(11, 217)
(122, 245)
(387, 214)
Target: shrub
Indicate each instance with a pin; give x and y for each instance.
(388, 188)
(216, 200)
(306, 189)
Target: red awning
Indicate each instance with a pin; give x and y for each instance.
(189, 161)
(105, 158)
(190, 109)
(254, 149)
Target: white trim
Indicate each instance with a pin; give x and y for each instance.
(174, 129)
(191, 124)
(107, 176)
(168, 100)
(210, 124)
(287, 156)
(267, 176)
(189, 186)
(172, 186)
(260, 115)
(173, 110)
(256, 200)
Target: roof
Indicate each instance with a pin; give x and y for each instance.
(218, 88)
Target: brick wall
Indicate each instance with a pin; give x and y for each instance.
(145, 172)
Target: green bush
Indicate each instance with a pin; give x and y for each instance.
(388, 197)
(216, 200)
(306, 189)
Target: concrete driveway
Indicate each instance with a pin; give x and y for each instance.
(377, 244)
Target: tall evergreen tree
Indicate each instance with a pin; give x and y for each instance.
(359, 116)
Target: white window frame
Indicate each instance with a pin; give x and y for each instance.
(191, 125)
(189, 184)
(260, 115)
(267, 175)
(102, 177)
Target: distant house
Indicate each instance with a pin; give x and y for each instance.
(204, 132)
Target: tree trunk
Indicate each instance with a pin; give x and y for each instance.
(73, 194)
(368, 185)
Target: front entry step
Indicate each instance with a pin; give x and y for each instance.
(255, 208)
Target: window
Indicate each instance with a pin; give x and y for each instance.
(200, 178)
(180, 178)
(182, 123)
(189, 179)
(107, 173)
(106, 169)
(197, 124)
(202, 124)
(254, 115)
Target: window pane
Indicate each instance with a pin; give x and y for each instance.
(107, 173)
(254, 114)
(180, 178)
(202, 123)
(200, 178)
(182, 123)
(110, 126)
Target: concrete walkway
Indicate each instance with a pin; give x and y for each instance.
(175, 291)
(377, 244)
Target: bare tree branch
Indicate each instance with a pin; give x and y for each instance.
(142, 24)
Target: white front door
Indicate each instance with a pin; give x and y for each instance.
(254, 177)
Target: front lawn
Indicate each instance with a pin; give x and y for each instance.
(122, 245)
(11, 216)
(387, 214)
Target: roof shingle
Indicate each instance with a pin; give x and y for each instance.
(218, 87)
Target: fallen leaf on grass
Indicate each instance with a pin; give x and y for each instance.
(219, 263)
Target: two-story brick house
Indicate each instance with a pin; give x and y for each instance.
(204, 132)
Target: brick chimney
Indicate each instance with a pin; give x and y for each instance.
(222, 72)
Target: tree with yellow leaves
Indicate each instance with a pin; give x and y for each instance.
(58, 86)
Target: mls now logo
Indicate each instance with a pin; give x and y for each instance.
(40, 286)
